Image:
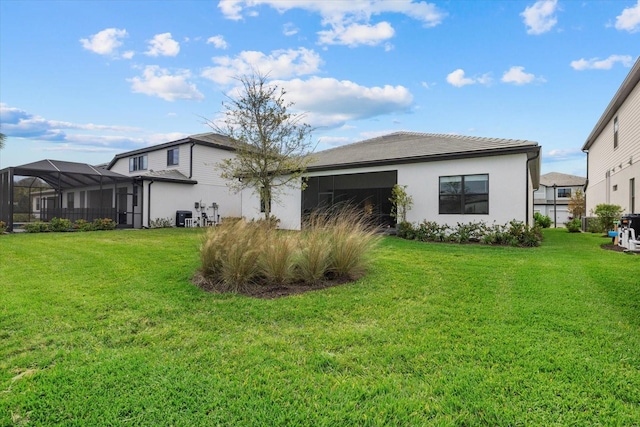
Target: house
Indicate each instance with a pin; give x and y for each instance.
(613, 150)
(135, 188)
(553, 195)
(451, 178)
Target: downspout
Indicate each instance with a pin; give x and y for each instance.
(527, 186)
(149, 199)
(191, 160)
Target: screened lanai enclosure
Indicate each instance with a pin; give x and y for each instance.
(367, 192)
(46, 189)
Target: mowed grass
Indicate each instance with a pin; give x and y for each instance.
(104, 328)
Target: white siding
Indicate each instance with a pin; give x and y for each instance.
(622, 163)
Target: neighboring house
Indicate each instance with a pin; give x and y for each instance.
(553, 195)
(451, 179)
(136, 187)
(177, 176)
(613, 150)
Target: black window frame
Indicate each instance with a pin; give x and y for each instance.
(463, 198)
(71, 199)
(173, 156)
(564, 192)
(138, 163)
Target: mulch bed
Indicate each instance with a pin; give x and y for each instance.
(266, 291)
(612, 247)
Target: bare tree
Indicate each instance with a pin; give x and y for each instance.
(3, 137)
(271, 144)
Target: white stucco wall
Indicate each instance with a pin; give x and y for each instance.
(167, 198)
(287, 209)
(508, 191)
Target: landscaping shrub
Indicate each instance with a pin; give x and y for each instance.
(470, 232)
(104, 224)
(83, 225)
(405, 230)
(59, 224)
(161, 223)
(543, 221)
(431, 231)
(313, 260)
(351, 237)
(36, 227)
(230, 253)
(3, 227)
(606, 215)
(277, 259)
(574, 226)
(515, 233)
(332, 244)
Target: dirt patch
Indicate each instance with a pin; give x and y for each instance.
(612, 247)
(267, 291)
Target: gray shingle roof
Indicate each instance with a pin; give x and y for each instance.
(404, 147)
(561, 180)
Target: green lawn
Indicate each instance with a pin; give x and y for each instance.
(104, 328)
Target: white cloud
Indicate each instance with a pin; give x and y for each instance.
(156, 81)
(279, 64)
(563, 154)
(357, 34)
(330, 103)
(218, 42)
(105, 42)
(540, 17)
(18, 123)
(457, 78)
(349, 21)
(601, 64)
(163, 45)
(629, 19)
(128, 54)
(289, 29)
(517, 76)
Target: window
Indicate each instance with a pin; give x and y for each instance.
(172, 157)
(70, 200)
(632, 195)
(37, 203)
(464, 194)
(564, 192)
(138, 163)
(263, 202)
(615, 187)
(135, 195)
(615, 133)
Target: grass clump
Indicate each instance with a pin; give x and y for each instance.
(333, 245)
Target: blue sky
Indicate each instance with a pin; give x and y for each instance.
(84, 80)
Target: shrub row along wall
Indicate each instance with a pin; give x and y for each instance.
(63, 224)
(515, 233)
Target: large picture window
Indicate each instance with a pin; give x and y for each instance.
(564, 192)
(138, 163)
(464, 194)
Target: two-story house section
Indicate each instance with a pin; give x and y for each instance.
(176, 176)
(613, 150)
(553, 195)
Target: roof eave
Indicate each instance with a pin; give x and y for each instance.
(618, 99)
(429, 158)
